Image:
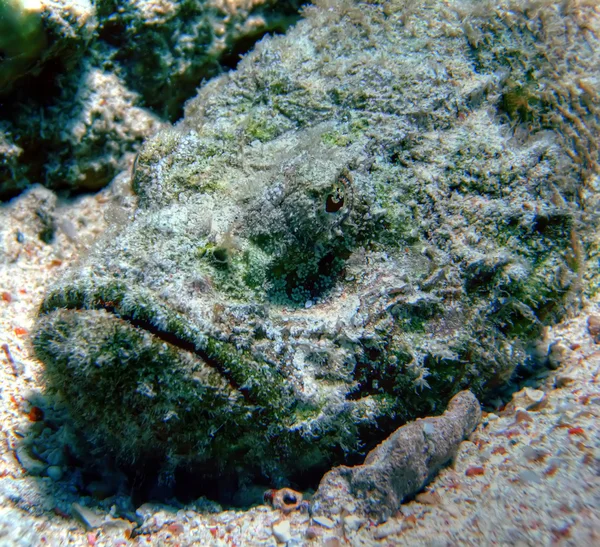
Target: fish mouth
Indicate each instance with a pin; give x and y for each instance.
(140, 321)
(142, 313)
(128, 368)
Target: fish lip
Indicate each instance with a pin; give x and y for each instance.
(141, 314)
(260, 386)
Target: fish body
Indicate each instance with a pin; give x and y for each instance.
(370, 214)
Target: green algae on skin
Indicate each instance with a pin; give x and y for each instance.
(382, 232)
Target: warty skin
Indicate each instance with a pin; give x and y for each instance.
(372, 213)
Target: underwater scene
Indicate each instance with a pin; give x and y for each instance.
(275, 273)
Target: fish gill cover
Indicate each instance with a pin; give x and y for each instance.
(374, 212)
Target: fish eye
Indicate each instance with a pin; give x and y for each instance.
(342, 194)
(335, 200)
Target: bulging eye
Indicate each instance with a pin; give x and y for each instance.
(341, 193)
(335, 200)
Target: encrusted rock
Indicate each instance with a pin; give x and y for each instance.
(285, 499)
(83, 83)
(401, 465)
(34, 34)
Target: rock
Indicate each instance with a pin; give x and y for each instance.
(593, 324)
(87, 517)
(352, 523)
(286, 500)
(36, 34)
(189, 328)
(281, 531)
(106, 523)
(122, 527)
(324, 521)
(32, 465)
(54, 472)
(558, 355)
(529, 399)
(564, 379)
(46, 40)
(401, 465)
(22, 38)
(312, 532)
(428, 498)
(166, 51)
(387, 529)
(110, 78)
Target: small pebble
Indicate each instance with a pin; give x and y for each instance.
(474, 470)
(593, 324)
(123, 526)
(558, 354)
(36, 414)
(428, 498)
(536, 396)
(281, 531)
(55, 472)
(312, 532)
(388, 529)
(522, 416)
(528, 476)
(534, 454)
(86, 516)
(353, 523)
(563, 380)
(324, 521)
(32, 465)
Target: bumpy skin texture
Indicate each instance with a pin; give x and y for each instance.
(374, 212)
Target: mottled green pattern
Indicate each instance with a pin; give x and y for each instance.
(372, 213)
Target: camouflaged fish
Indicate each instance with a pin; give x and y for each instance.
(372, 213)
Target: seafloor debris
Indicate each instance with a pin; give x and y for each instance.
(401, 465)
(284, 499)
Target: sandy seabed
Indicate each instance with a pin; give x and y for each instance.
(528, 475)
